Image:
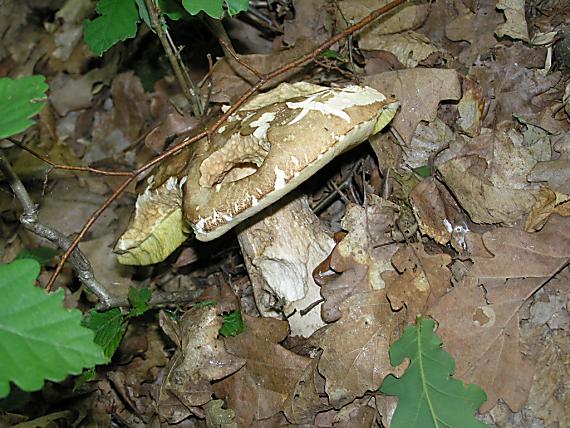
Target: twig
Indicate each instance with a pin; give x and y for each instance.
(29, 220)
(188, 88)
(55, 165)
(207, 133)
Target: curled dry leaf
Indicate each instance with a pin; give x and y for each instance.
(419, 91)
(200, 359)
(355, 348)
(437, 214)
(131, 105)
(471, 107)
(421, 279)
(546, 204)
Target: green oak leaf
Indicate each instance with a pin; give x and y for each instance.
(428, 395)
(118, 21)
(109, 329)
(39, 338)
(20, 99)
(214, 8)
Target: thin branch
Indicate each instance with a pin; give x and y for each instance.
(55, 165)
(207, 133)
(29, 220)
(188, 88)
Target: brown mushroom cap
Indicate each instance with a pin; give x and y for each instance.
(265, 150)
(272, 145)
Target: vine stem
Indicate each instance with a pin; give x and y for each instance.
(262, 80)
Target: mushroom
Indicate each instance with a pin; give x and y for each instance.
(265, 150)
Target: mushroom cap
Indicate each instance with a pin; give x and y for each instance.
(266, 149)
(272, 145)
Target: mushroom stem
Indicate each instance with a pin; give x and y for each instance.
(281, 247)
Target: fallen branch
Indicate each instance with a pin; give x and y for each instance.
(262, 80)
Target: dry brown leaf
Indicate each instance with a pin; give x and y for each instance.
(520, 254)
(313, 21)
(410, 47)
(515, 27)
(419, 91)
(131, 105)
(554, 173)
(270, 375)
(437, 213)
(545, 205)
(408, 17)
(476, 28)
(356, 263)
(471, 107)
(422, 279)
(305, 400)
(200, 359)
(479, 325)
(355, 348)
(360, 413)
(485, 202)
(549, 397)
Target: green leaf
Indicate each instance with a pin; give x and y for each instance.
(214, 8)
(139, 298)
(39, 338)
(233, 324)
(43, 255)
(428, 396)
(109, 329)
(20, 99)
(173, 9)
(118, 22)
(423, 171)
(143, 13)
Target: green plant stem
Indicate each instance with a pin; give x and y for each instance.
(189, 89)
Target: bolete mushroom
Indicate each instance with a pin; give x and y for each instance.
(265, 150)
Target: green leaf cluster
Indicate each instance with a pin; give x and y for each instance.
(110, 326)
(428, 395)
(39, 338)
(119, 19)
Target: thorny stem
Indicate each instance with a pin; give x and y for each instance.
(188, 88)
(207, 133)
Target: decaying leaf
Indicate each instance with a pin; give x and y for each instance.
(546, 204)
(419, 91)
(515, 27)
(355, 348)
(200, 359)
(421, 279)
(479, 325)
(261, 387)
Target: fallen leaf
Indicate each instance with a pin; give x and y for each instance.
(419, 92)
(515, 27)
(313, 21)
(200, 359)
(270, 375)
(355, 348)
(410, 47)
(471, 107)
(131, 105)
(546, 204)
(421, 279)
(479, 325)
(437, 213)
(484, 202)
(554, 173)
(518, 254)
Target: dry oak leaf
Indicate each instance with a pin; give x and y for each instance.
(355, 348)
(483, 201)
(419, 91)
(549, 397)
(519, 254)
(545, 206)
(421, 279)
(200, 359)
(479, 325)
(270, 375)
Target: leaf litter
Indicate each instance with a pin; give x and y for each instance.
(486, 254)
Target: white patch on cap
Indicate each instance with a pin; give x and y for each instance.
(262, 125)
(279, 178)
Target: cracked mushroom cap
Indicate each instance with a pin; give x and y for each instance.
(265, 150)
